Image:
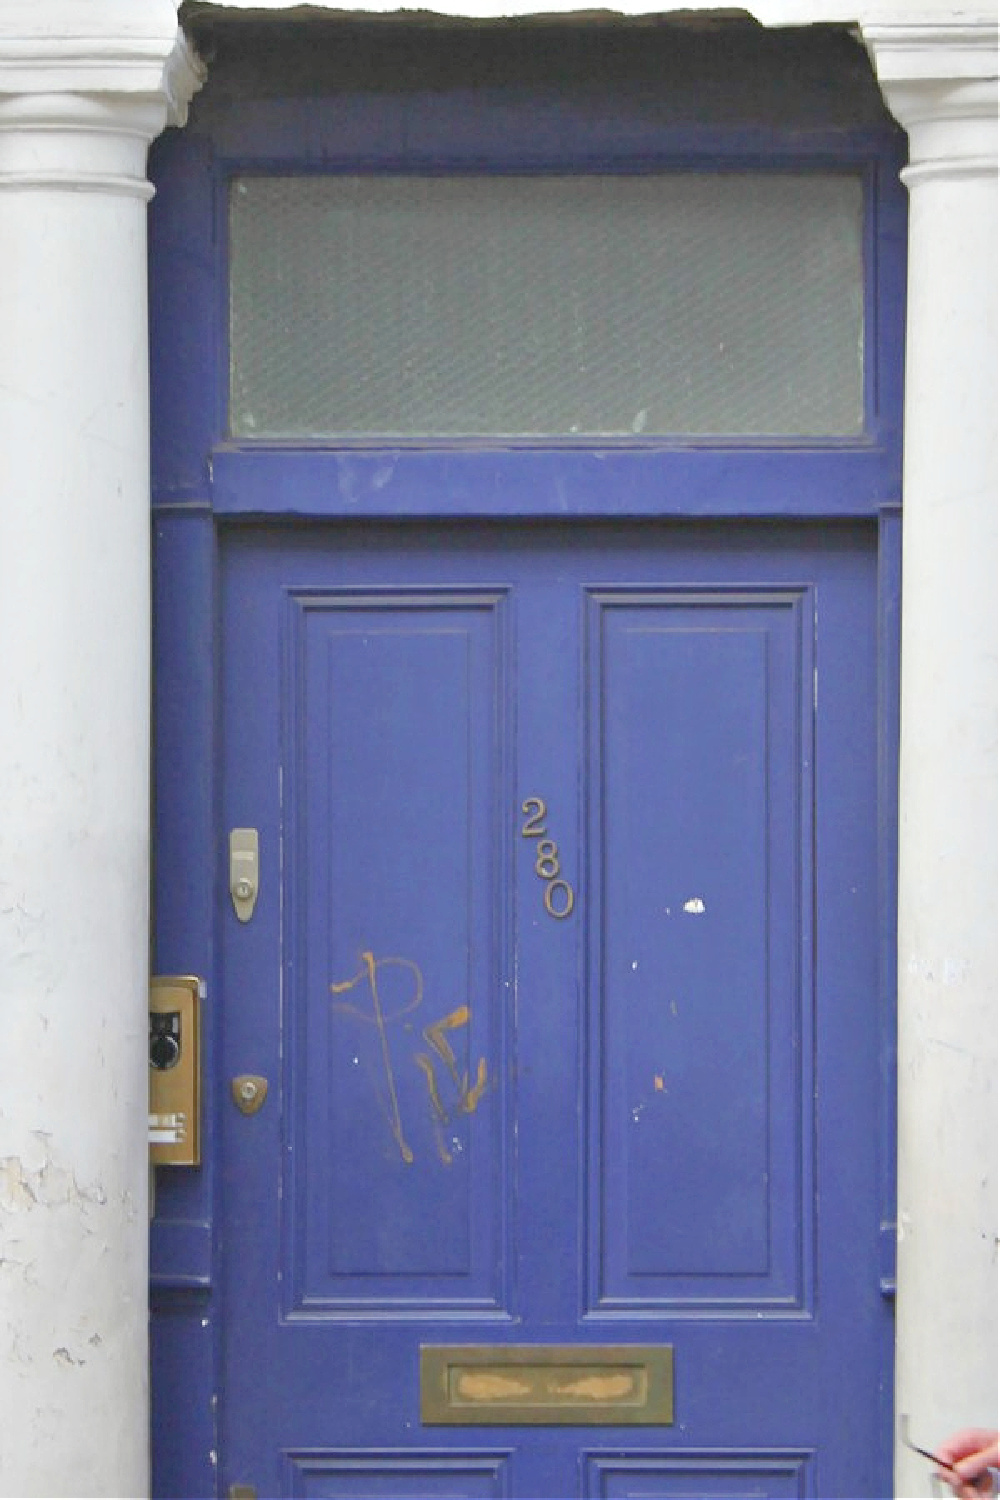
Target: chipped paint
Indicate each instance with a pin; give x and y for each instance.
(949, 971)
(695, 906)
(24, 1188)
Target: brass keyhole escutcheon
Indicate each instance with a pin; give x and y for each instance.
(249, 1091)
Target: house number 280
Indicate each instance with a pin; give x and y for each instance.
(558, 892)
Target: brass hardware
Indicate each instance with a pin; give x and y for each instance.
(249, 1091)
(244, 871)
(547, 865)
(550, 899)
(547, 1385)
(534, 810)
(175, 1071)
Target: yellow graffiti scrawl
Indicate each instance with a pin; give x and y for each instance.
(467, 1096)
(435, 1036)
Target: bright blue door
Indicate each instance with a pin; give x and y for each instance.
(563, 978)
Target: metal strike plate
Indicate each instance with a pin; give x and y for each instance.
(244, 871)
(547, 1385)
(175, 1070)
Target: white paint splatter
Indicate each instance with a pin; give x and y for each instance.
(695, 906)
(956, 970)
(947, 971)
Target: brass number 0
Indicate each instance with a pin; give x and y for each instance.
(546, 860)
(550, 903)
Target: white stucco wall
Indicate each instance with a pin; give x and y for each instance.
(946, 1350)
(82, 92)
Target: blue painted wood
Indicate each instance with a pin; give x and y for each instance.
(701, 708)
(183, 315)
(890, 601)
(697, 706)
(839, 482)
(890, 606)
(184, 834)
(724, 1474)
(182, 1349)
(180, 1250)
(407, 690)
(184, 1330)
(397, 1476)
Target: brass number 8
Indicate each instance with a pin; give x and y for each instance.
(547, 861)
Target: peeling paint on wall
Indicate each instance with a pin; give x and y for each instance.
(24, 1188)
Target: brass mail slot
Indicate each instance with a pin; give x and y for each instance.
(550, 1385)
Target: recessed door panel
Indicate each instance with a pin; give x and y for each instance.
(701, 776)
(392, 778)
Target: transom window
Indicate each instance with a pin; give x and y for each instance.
(699, 304)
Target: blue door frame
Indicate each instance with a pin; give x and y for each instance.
(204, 485)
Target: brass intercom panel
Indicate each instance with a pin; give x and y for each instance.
(175, 1071)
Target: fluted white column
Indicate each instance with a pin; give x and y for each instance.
(940, 81)
(84, 87)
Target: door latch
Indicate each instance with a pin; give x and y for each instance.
(244, 870)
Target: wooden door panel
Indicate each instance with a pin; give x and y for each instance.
(701, 775)
(395, 1174)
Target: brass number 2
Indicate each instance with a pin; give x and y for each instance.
(534, 810)
(558, 892)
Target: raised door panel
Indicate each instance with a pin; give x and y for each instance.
(700, 792)
(396, 758)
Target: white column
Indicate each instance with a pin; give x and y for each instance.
(84, 87)
(941, 84)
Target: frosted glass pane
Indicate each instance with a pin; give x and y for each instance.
(519, 306)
